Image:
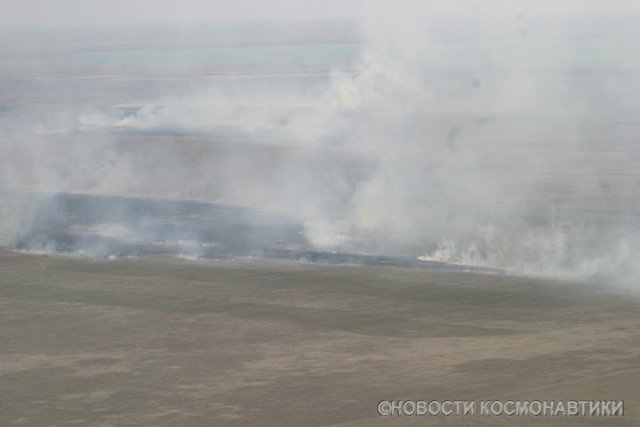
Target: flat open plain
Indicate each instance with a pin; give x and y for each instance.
(158, 341)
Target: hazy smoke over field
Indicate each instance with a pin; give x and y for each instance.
(498, 139)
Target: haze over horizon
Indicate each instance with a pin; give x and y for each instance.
(33, 14)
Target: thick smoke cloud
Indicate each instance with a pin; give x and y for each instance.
(510, 142)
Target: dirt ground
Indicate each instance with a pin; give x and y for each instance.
(166, 342)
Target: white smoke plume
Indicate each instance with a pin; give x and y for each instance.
(508, 141)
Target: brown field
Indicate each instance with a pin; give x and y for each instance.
(165, 342)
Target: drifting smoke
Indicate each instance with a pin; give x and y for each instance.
(509, 141)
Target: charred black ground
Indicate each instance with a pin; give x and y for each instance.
(109, 226)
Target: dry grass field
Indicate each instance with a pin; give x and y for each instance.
(158, 341)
